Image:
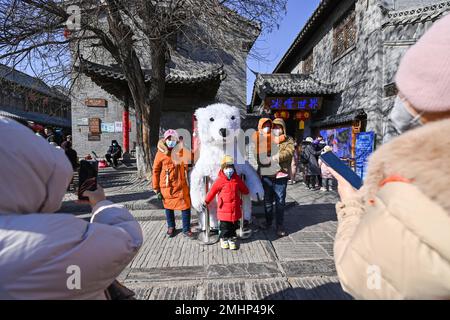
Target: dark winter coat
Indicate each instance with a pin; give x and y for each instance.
(229, 197)
(115, 150)
(311, 154)
(73, 157)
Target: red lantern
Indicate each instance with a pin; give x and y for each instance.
(277, 114)
(284, 115)
(306, 115)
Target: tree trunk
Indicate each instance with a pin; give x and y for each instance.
(152, 118)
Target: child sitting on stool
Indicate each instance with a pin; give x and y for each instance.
(229, 187)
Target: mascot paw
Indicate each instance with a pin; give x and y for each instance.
(197, 205)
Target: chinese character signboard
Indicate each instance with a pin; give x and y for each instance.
(293, 103)
(94, 125)
(365, 142)
(96, 103)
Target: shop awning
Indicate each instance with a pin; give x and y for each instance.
(40, 118)
(341, 118)
(289, 84)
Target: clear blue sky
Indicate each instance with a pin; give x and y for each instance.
(274, 45)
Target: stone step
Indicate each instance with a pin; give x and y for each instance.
(276, 288)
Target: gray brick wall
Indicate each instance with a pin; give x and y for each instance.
(85, 89)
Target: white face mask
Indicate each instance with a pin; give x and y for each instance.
(171, 143)
(401, 120)
(277, 132)
(266, 129)
(228, 172)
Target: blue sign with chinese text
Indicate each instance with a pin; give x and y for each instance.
(365, 143)
(294, 103)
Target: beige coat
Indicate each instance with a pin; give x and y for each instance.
(393, 238)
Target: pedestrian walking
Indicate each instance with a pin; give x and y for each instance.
(311, 154)
(170, 182)
(229, 187)
(327, 176)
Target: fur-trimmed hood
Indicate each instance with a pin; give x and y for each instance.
(421, 156)
(162, 147)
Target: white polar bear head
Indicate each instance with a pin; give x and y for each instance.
(218, 124)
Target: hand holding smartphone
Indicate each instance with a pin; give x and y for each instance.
(87, 177)
(332, 161)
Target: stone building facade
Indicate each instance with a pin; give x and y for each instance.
(28, 99)
(346, 55)
(195, 77)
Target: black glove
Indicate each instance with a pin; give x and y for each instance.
(159, 195)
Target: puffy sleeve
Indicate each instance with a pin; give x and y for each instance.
(216, 187)
(157, 167)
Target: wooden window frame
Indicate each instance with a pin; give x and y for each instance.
(345, 34)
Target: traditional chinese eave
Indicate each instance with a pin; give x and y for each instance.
(287, 84)
(417, 15)
(340, 118)
(112, 80)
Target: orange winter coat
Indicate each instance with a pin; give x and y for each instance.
(170, 177)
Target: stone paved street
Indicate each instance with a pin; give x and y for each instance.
(299, 266)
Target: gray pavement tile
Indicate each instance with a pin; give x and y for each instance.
(328, 247)
(225, 291)
(299, 251)
(311, 236)
(308, 268)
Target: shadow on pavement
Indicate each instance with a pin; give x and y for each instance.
(327, 291)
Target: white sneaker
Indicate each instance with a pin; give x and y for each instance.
(323, 189)
(232, 244)
(224, 244)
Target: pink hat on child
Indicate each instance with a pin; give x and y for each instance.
(170, 133)
(424, 73)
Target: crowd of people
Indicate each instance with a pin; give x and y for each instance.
(392, 241)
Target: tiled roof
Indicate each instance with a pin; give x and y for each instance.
(289, 84)
(27, 81)
(341, 118)
(174, 76)
(418, 14)
(36, 117)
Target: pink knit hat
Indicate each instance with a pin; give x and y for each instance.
(424, 73)
(170, 133)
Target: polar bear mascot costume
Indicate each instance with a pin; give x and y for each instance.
(219, 125)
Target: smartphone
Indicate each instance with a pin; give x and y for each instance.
(87, 177)
(340, 167)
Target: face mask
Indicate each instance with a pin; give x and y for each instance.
(171, 144)
(266, 130)
(277, 132)
(401, 120)
(228, 172)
